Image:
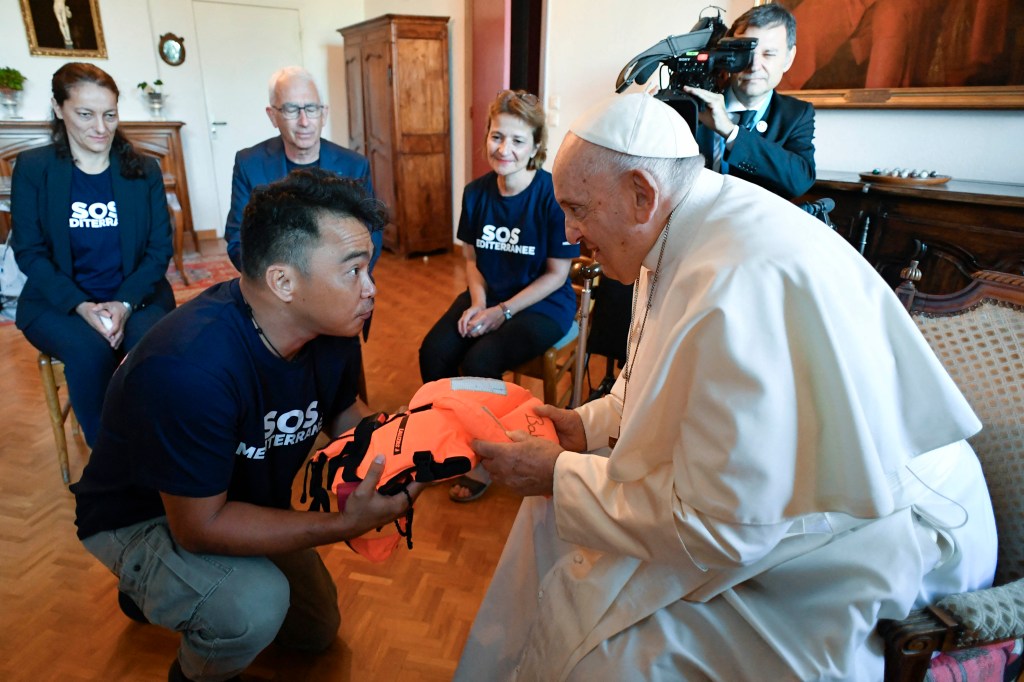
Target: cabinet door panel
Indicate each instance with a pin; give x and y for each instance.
(377, 97)
(354, 81)
(422, 88)
(426, 216)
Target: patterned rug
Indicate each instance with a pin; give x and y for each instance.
(203, 271)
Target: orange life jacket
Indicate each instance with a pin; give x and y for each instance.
(428, 442)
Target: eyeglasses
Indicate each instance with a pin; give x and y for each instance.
(291, 111)
(528, 97)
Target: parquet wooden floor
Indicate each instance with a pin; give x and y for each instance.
(405, 619)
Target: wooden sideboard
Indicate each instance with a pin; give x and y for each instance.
(954, 229)
(159, 139)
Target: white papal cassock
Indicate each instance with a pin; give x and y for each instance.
(791, 467)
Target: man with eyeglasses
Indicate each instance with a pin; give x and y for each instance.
(751, 131)
(297, 111)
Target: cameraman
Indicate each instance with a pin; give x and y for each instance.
(751, 131)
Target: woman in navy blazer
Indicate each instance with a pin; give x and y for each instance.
(91, 232)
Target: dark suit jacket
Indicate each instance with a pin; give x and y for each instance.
(781, 159)
(40, 208)
(265, 163)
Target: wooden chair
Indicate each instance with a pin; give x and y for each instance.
(52, 371)
(978, 335)
(559, 360)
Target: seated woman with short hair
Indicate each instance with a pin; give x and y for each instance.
(519, 299)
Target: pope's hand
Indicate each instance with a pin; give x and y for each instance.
(527, 464)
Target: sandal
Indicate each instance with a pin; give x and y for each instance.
(476, 488)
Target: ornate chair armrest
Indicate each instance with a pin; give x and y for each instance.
(987, 616)
(959, 621)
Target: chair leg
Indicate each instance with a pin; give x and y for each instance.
(178, 237)
(179, 246)
(551, 377)
(56, 415)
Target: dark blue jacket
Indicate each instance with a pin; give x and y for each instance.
(781, 159)
(40, 207)
(264, 163)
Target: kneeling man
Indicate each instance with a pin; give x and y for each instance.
(186, 497)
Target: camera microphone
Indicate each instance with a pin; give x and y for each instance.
(820, 209)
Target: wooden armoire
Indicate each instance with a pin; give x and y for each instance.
(396, 68)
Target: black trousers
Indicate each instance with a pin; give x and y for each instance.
(88, 359)
(445, 353)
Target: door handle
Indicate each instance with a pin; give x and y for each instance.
(213, 127)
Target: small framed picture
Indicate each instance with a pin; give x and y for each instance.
(64, 28)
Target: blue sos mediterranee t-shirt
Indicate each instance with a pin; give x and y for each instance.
(95, 235)
(201, 406)
(514, 236)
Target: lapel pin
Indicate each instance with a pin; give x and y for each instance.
(761, 126)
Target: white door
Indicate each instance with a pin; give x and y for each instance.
(237, 58)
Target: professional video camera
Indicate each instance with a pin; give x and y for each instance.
(702, 58)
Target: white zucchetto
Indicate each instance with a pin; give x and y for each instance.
(637, 124)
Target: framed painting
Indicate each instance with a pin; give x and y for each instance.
(64, 28)
(909, 54)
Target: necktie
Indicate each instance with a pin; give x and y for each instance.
(747, 118)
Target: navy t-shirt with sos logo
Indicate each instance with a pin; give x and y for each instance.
(95, 235)
(514, 236)
(202, 407)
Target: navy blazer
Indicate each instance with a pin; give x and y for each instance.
(40, 237)
(266, 162)
(781, 159)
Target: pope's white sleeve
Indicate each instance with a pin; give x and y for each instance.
(645, 519)
(601, 418)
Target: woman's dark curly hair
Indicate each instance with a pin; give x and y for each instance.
(281, 222)
(67, 78)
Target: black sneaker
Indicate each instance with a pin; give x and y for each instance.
(130, 608)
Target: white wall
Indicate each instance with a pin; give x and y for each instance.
(975, 145)
(131, 58)
(588, 42)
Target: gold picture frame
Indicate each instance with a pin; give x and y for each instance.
(908, 54)
(979, 97)
(64, 28)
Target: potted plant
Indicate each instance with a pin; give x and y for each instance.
(11, 83)
(153, 92)
(150, 90)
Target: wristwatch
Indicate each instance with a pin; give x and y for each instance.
(505, 309)
(127, 307)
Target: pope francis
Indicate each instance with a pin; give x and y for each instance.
(781, 463)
